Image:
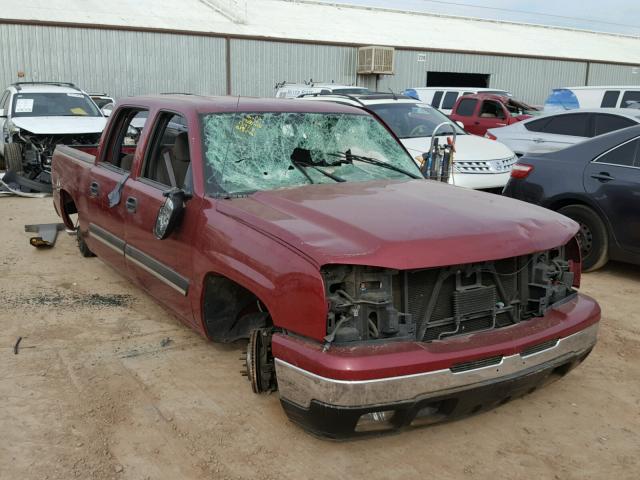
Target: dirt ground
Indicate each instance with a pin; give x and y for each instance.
(109, 385)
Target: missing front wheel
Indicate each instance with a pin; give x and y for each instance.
(259, 364)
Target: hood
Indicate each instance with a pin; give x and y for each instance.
(402, 225)
(468, 148)
(60, 125)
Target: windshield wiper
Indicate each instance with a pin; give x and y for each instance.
(372, 161)
(302, 165)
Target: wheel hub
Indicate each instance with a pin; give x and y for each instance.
(585, 239)
(259, 365)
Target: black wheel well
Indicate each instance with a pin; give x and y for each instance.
(565, 202)
(231, 311)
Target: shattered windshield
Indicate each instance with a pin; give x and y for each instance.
(413, 120)
(54, 105)
(246, 152)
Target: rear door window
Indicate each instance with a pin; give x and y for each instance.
(605, 123)
(436, 99)
(630, 97)
(466, 107)
(572, 124)
(624, 155)
(129, 125)
(449, 100)
(537, 125)
(610, 99)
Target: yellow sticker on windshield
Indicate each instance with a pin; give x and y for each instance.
(78, 111)
(249, 124)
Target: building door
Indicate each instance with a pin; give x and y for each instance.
(455, 79)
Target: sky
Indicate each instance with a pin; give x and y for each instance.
(615, 16)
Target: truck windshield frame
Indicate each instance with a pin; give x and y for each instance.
(245, 152)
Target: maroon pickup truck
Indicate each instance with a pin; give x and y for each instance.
(372, 299)
(479, 112)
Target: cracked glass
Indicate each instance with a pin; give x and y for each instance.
(247, 152)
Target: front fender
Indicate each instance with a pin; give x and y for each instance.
(286, 282)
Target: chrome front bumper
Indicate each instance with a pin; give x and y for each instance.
(301, 387)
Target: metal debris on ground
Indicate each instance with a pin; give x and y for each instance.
(16, 346)
(13, 184)
(47, 233)
(165, 341)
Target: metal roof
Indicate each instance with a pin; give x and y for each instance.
(312, 21)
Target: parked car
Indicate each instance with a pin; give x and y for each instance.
(481, 111)
(569, 98)
(102, 99)
(372, 299)
(444, 98)
(293, 90)
(478, 162)
(596, 183)
(104, 102)
(37, 116)
(556, 131)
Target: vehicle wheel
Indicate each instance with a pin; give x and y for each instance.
(13, 157)
(82, 245)
(592, 237)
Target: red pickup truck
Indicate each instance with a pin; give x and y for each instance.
(481, 111)
(372, 299)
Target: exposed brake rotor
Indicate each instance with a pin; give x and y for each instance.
(259, 365)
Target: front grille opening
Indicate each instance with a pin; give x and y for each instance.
(540, 347)
(463, 299)
(475, 364)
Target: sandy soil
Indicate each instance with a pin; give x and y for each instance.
(93, 393)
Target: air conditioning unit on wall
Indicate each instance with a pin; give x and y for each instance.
(375, 60)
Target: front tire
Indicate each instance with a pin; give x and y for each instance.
(592, 237)
(13, 157)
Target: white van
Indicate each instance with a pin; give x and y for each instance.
(444, 98)
(294, 90)
(569, 98)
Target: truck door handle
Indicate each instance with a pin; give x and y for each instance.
(94, 189)
(131, 204)
(603, 177)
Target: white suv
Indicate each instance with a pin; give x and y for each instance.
(479, 163)
(36, 116)
(293, 90)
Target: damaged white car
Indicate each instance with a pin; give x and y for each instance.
(37, 116)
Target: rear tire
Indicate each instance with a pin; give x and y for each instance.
(82, 245)
(592, 237)
(13, 157)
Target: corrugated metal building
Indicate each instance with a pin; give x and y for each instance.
(243, 47)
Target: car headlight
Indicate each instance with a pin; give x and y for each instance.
(364, 304)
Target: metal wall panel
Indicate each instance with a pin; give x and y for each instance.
(125, 63)
(256, 66)
(606, 74)
(120, 63)
(528, 79)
